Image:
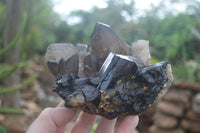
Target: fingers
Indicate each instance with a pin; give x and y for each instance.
(52, 119)
(84, 123)
(105, 126)
(60, 116)
(128, 125)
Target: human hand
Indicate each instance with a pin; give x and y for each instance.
(54, 120)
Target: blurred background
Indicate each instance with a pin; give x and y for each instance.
(28, 27)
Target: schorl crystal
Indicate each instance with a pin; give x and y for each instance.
(124, 86)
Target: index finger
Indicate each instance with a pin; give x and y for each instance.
(127, 125)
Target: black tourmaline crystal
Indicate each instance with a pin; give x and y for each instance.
(123, 86)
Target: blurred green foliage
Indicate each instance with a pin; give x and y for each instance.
(3, 129)
(173, 37)
(6, 70)
(15, 39)
(39, 30)
(2, 18)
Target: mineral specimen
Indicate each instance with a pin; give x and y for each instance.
(124, 86)
(112, 82)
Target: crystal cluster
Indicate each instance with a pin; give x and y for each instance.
(107, 77)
